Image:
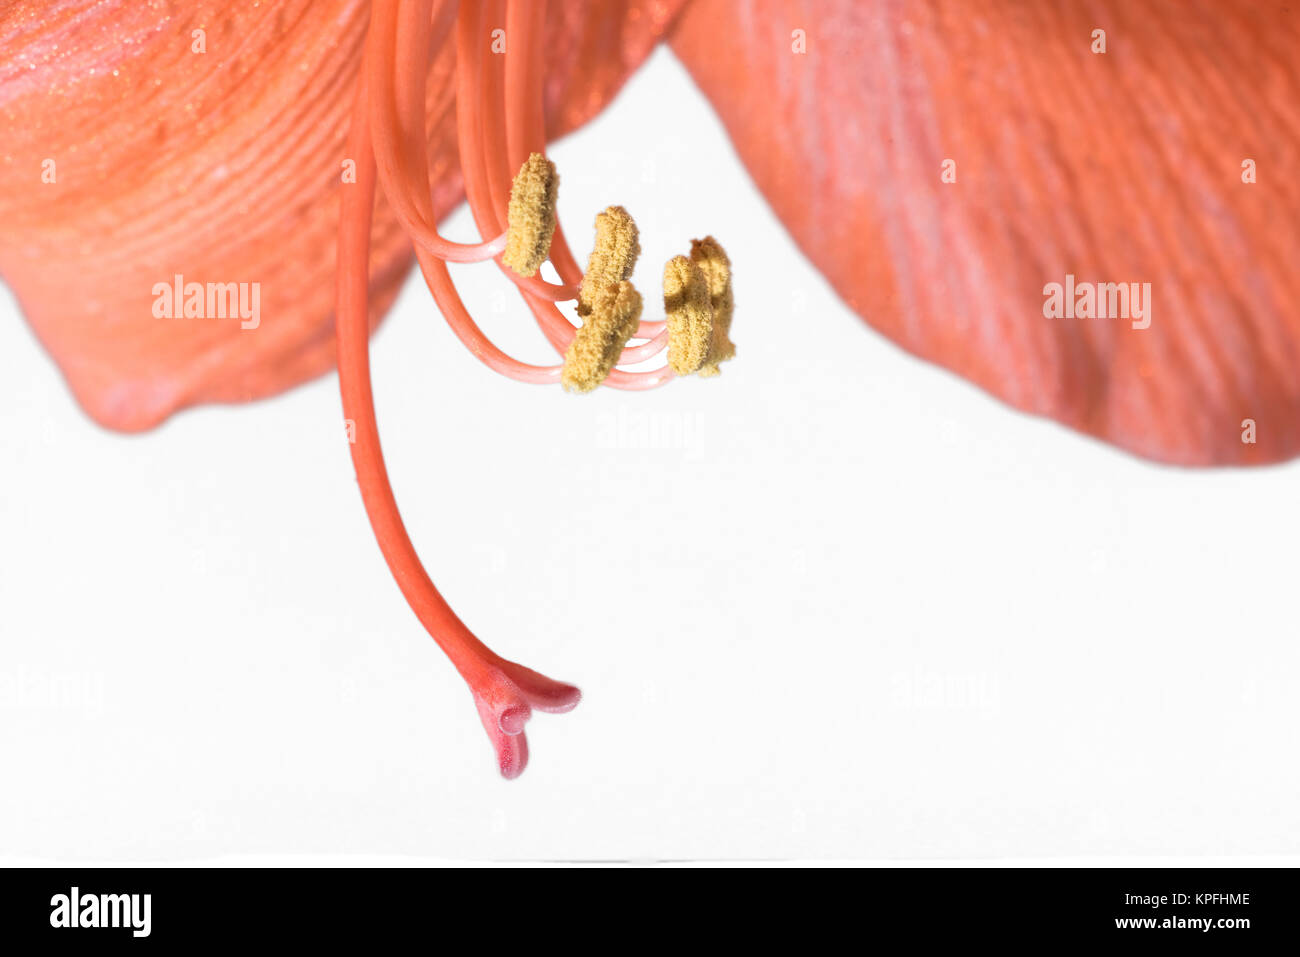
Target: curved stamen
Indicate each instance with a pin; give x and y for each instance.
(413, 22)
(536, 286)
(525, 105)
(438, 279)
(618, 379)
(400, 148)
(610, 323)
(492, 84)
(470, 108)
(483, 141)
(645, 350)
(475, 110)
(640, 381)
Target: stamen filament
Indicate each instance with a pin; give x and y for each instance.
(414, 25)
(645, 350)
(400, 151)
(470, 39)
(525, 106)
(492, 81)
(470, 94)
(473, 107)
(438, 279)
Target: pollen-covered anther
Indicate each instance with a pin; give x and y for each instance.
(689, 311)
(613, 320)
(531, 215)
(618, 244)
(709, 256)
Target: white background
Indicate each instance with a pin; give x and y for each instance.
(833, 603)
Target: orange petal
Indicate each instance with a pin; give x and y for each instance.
(1122, 166)
(220, 166)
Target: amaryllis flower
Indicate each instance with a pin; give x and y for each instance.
(945, 165)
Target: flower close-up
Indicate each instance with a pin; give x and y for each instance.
(965, 176)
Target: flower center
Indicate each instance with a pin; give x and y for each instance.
(512, 189)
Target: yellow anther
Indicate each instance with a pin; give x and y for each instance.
(531, 215)
(689, 309)
(613, 319)
(612, 259)
(708, 254)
